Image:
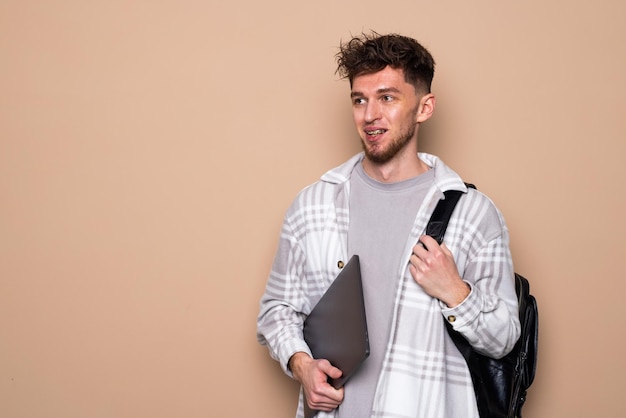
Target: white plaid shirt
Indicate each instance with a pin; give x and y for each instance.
(423, 374)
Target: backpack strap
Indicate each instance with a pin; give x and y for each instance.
(438, 222)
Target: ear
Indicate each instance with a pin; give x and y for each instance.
(426, 108)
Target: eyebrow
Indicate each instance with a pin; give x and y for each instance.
(379, 91)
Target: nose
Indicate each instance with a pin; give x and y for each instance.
(372, 111)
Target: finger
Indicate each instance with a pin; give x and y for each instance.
(330, 370)
(414, 263)
(326, 398)
(419, 249)
(322, 405)
(428, 241)
(445, 249)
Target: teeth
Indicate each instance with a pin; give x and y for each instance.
(376, 132)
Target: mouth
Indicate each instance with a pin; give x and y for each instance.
(375, 132)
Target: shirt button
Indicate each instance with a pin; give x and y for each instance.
(340, 264)
(451, 318)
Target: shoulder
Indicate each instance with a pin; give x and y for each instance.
(318, 194)
(327, 190)
(481, 214)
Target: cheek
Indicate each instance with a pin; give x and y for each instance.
(357, 116)
(405, 118)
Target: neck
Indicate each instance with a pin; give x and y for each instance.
(398, 169)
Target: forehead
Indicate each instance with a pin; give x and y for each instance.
(385, 79)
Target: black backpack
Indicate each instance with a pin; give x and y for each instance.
(500, 384)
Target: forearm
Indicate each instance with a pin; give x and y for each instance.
(280, 328)
(488, 317)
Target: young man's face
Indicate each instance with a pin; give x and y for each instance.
(385, 109)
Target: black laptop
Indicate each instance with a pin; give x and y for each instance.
(336, 328)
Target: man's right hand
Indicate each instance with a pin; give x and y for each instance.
(313, 376)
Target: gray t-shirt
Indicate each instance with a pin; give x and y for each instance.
(381, 217)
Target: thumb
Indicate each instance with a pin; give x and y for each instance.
(330, 370)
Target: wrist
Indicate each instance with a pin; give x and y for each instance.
(459, 295)
(297, 362)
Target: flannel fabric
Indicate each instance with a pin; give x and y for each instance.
(423, 374)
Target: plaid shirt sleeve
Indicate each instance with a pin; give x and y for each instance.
(487, 318)
(312, 240)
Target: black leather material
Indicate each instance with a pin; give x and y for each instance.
(500, 384)
(438, 222)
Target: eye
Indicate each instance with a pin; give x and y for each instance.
(387, 98)
(358, 101)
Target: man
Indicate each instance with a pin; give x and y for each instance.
(377, 205)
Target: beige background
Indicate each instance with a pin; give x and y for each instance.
(148, 150)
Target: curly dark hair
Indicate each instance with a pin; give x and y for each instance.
(370, 53)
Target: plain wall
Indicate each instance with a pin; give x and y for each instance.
(149, 149)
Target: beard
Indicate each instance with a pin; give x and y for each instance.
(380, 154)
